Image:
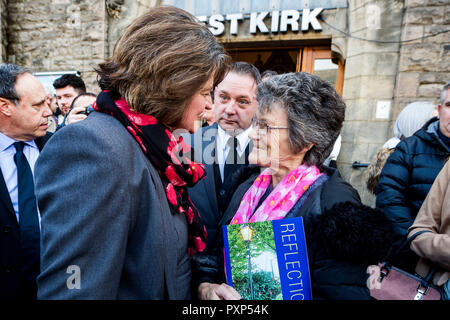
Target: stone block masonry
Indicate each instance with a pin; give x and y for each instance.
(424, 65)
(58, 35)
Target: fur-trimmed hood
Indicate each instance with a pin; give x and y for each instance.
(352, 232)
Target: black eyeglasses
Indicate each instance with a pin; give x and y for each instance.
(264, 127)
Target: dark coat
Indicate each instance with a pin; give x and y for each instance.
(343, 237)
(206, 193)
(408, 175)
(12, 284)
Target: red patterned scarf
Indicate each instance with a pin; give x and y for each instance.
(167, 154)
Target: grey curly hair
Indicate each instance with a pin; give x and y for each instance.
(314, 109)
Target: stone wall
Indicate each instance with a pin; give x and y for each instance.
(424, 61)
(415, 68)
(121, 14)
(370, 74)
(3, 24)
(58, 35)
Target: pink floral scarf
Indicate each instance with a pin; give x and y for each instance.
(280, 201)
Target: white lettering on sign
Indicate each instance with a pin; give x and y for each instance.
(275, 21)
(256, 21)
(310, 17)
(290, 19)
(217, 27)
(233, 18)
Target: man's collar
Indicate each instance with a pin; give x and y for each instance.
(6, 142)
(223, 136)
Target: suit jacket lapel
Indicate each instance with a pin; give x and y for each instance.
(40, 142)
(248, 150)
(5, 199)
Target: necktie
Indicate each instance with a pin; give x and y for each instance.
(28, 215)
(231, 161)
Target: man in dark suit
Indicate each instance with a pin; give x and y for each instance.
(224, 146)
(24, 109)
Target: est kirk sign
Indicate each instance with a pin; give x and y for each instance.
(279, 21)
(258, 16)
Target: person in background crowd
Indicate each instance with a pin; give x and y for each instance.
(409, 173)
(410, 119)
(413, 116)
(79, 108)
(117, 221)
(24, 113)
(53, 120)
(298, 120)
(433, 247)
(67, 87)
(224, 147)
(208, 116)
(331, 161)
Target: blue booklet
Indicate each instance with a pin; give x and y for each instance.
(268, 260)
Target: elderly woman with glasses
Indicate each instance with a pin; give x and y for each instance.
(297, 122)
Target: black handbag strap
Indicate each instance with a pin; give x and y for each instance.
(405, 244)
(388, 263)
(411, 239)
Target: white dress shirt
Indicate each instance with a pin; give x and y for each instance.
(223, 148)
(9, 169)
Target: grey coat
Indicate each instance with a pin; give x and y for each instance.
(105, 214)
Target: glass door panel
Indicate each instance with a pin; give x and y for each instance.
(326, 69)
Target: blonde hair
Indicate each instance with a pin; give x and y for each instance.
(373, 172)
(162, 59)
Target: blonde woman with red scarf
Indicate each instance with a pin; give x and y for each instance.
(117, 222)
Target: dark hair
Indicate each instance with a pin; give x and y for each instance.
(443, 91)
(245, 68)
(314, 109)
(268, 73)
(86, 94)
(8, 77)
(162, 59)
(70, 80)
